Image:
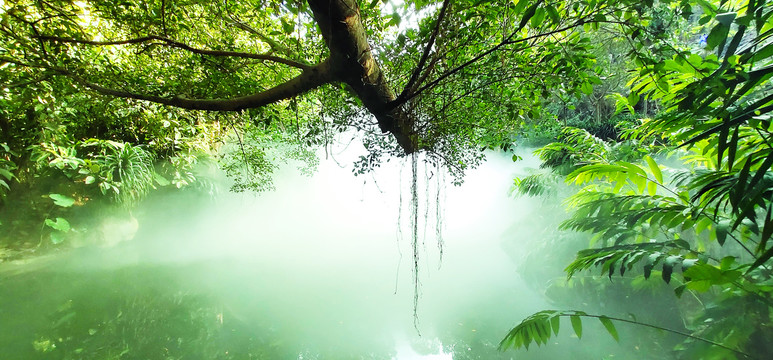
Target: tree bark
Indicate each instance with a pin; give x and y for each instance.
(309, 79)
(352, 62)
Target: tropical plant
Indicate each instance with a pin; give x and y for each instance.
(710, 216)
(120, 170)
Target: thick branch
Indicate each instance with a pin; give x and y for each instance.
(309, 79)
(179, 45)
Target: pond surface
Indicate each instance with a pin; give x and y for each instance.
(322, 268)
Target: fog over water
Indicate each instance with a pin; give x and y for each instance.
(323, 258)
(317, 268)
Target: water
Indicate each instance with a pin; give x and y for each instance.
(314, 270)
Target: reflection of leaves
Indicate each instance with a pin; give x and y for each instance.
(62, 200)
(86, 328)
(56, 237)
(65, 319)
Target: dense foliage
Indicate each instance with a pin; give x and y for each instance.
(702, 208)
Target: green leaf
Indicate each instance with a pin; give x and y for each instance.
(535, 328)
(633, 98)
(727, 262)
(763, 53)
(721, 231)
(553, 14)
(652, 260)
(576, 325)
(716, 36)
(555, 323)
(586, 88)
(287, 26)
(668, 267)
(538, 18)
(654, 168)
(679, 290)
(761, 260)
(60, 224)
(610, 327)
(520, 5)
(6, 174)
(62, 200)
(89, 180)
(726, 18)
(395, 20)
(528, 14)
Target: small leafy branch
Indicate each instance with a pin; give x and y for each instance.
(623, 257)
(540, 327)
(60, 226)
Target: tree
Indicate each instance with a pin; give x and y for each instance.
(200, 55)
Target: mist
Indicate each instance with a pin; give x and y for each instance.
(321, 268)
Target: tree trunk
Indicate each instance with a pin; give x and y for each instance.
(353, 63)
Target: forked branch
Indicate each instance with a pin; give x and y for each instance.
(308, 80)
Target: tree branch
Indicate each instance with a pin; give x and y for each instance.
(163, 17)
(739, 352)
(309, 79)
(425, 55)
(27, 83)
(275, 45)
(179, 45)
(508, 41)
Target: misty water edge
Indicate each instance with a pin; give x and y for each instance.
(318, 269)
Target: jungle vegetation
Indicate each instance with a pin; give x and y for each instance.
(656, 113)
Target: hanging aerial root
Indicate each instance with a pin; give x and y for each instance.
(415, 237)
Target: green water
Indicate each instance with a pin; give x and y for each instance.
(316, 270)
